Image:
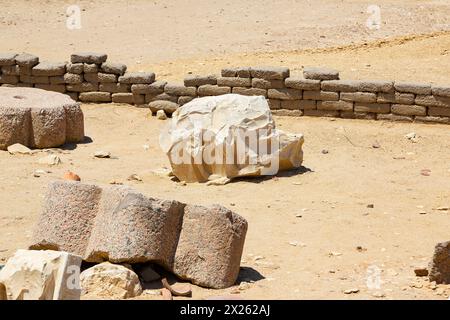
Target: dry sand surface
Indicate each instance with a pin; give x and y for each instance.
(312, 256)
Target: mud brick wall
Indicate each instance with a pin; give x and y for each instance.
(89, 77)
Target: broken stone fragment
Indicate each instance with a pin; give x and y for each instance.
(439, 269)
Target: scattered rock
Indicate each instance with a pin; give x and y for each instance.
(325, 151)
(439, 269)
(361, 249)
(376, 145)
(51, 160)
(442, 208)
(69, 175)
(421, 271)
(422, 212)
(244, 286)
(102, 154)
(134, 177)
(18, 148)
(166, 294)
(110, 281)
(371, 206)
(41, 275)
(218, 182)
(38, 173)
(163, 172)
(378, 294)
(179, 289)
(413, 137)
(425, 172)
(351, 291)
(3, 295)
(334, 254)
(161, 115)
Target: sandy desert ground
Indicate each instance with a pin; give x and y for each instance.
(311, 233)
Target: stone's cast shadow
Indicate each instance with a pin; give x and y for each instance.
(73, 146)
(281, 174)
(247, 274)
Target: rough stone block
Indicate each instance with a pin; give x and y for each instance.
(439, 269)
(169, 107)
(137, 77)
(372, 107)
(234, 82)
(155, 88)
(184, 99)
(284, 94)
(88, 57)
(432, 119)
(394, 117)
(180, 90)
(123, 98)
(432, 101)
(267, 84)
(90, 68)
(57, 80)
(139, 99)
(409, 110)
(302, 84)
(212, 90)
(290, 104)
(376, 86)
(250, 91)
(439, 111)
(410, 87)
(10, 70)
(95, 97)
(27, 60)
(82, 87)
(49, 69)
(243, 72)
(5, 79)
(397, 97)
(341, 85)
(196, 81)
(335, 105)
(164, 96)
(76, 68)
(442, 91)
(42, 275)
(270, 73)
(113, 68)
(366, 97)
(115, 87)
(107, 78)
(51, 87)
(317, 73)
(7, 59)
(73, 78)
(274, 104)
(91, 77)
(320, 95)
(308, 104)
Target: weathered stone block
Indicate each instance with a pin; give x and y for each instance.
(137, 77)
(432, 101)
(76, 68)
(82, 87)
(123, 98)
(439, 111)
(397, 97)
(88, 57)
(164, 96)
(341, 85)
(243, 72)
(432, 119)
(196, 81)
(106, 78)
(7, 59)
(212, 90)
(443, 91)
(10, 70)
(250, 91)
(439, 269)
(184, 99)
(95, 97)
(409, 110)
(180, 90)
(335, 105)
(90, 68)
(51, 87)
(366, 97)
(73, 78)
(57, 80)
(270, 73)
(113, 68)
(169, 107)
(284, 94)
(320, 95)
(274, 104)
(5, 79)
(91, 77)
(234, 82)
(49, 69)
(267, 84)
(27, 60)
(302, 84)
(410, 87)
(376, 86)
(317, 73)
(394, 117)
(372, 107)
(115, 87)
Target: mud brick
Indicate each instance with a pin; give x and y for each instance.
(27, 60)
(430, 119)
(90, 68)
(49, 69)
(95, 97)
(439, 111)
(196, 81)
(270, 73)
(321, 113)
(57, 80)
(358, 115)
(372, 107)
(40, 80)
(409, 110)
(107, 78)
(123, 98)
(52, 87)
(165, 97)
(376, 86)
(4, 79)
(366, 97)
(180, 90)
(302, 84)
(442, 91)
(234, 82)
(321, 95)
(267, 84)
(139, 99)
(340, 85)
(410, 87)
(287, 112)
(73, 95)
(115, 87)
(274, 104)
(394, 117)
(396, 97)
(308, 104)
(88, 57)
(250, 91)
(10, 70)
(7, 59)
(285, 94)
(137, 78)
(82, 87)
(73, 78)
(76, 68)
(184, 99)
(335, 105)
(290, 104)
(91, 77)
(113, 68)
(317, 73)
(212, 90)
(433, 101)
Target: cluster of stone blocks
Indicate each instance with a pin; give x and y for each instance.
(117, 224)
(320, 92)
